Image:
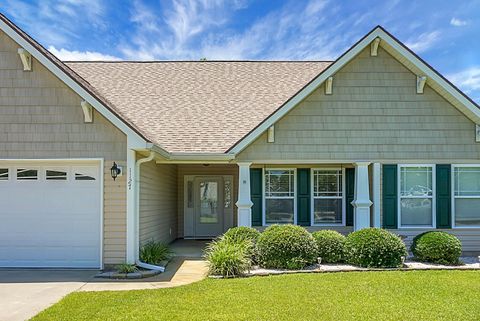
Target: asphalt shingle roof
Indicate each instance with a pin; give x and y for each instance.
(190, 106)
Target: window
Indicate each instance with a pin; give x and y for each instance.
(416, 201)
(24, 174)
(3, 174)
(466, 196)
(279, 196)
(328, 201)
(55, 175)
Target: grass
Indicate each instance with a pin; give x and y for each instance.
(396, 295)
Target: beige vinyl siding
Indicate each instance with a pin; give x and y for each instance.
(373, 114)
(158, 202)
(200, 170)
(40, 117)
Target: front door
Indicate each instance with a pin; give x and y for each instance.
(208, 206)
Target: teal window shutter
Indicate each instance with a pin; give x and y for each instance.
(256, 195)
(390, 196)
(303, 197)
(444, 196)
(350, 194)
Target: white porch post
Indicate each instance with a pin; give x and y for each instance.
(244, 203)
(361, 202)
(376, 194)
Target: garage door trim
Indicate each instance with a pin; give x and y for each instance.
(12, 163)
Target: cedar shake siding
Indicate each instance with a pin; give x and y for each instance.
(40, 117)
(373, 114)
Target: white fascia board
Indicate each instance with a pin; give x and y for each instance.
(135, 138)
(307, 90)
(378, 32)
(197, 158)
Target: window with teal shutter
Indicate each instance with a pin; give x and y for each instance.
(350, 194)
(303, 196)
(444, 196)
(390, 194)
(256, 195)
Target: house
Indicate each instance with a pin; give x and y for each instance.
(97, 158)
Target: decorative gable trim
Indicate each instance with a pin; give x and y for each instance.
(26, 59)
(58, 68)
(460, 100)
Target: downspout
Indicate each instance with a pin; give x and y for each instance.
(139, 263)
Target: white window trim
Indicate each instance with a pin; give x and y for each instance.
(9, 174)
(434, 197)
(312, 197)
(264, 209)
(453, 195)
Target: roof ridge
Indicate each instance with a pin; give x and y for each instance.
(196, 61)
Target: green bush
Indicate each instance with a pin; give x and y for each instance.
(286, 247)
(228, 257)
(330, 245)
(437, 247)
(154, 252)
(374, 247)
(127, 268)
(242, 233)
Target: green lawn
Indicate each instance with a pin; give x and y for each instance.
(412, 295)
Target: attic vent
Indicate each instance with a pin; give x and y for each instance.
(26, 59)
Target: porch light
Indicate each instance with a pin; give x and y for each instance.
(115, 170)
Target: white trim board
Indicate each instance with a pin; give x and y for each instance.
(471, 110)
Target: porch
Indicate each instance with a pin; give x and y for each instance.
(202, 201)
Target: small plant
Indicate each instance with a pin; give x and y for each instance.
(127, 268)
(374, 247)
(437, 247)
(286, 247)
(154, 252)
(228, 257)
(330, 245)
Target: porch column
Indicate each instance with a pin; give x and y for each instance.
(361, 202)
(244, 203)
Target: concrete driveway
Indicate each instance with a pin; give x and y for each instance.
(24, 293)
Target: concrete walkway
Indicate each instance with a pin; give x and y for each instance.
(24, 293)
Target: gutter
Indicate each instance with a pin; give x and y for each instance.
(137, 215)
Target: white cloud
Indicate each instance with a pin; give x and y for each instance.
(67, 55)
(423, 42)
(458, 22)
(468, 80)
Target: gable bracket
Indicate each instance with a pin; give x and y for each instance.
(421, 80)
(374, 47)
(271, 134)
(329, 86)
(26, 58)
(87, 111)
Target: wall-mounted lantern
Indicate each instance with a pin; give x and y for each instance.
(115, 171)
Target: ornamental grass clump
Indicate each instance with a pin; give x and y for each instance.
(286, 247)
(229, 257)
(330, 245)
(374, 248)
(154, 252)
(437, 247)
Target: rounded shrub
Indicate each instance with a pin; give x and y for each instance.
(330, 245)
(374, 247)
(286, 247)
(228, 257)
(242, 233)
(437, 247)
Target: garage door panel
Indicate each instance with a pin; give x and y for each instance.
(51, 223)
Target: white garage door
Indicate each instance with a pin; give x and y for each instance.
(50, 214)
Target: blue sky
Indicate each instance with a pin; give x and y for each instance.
(445, 33)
